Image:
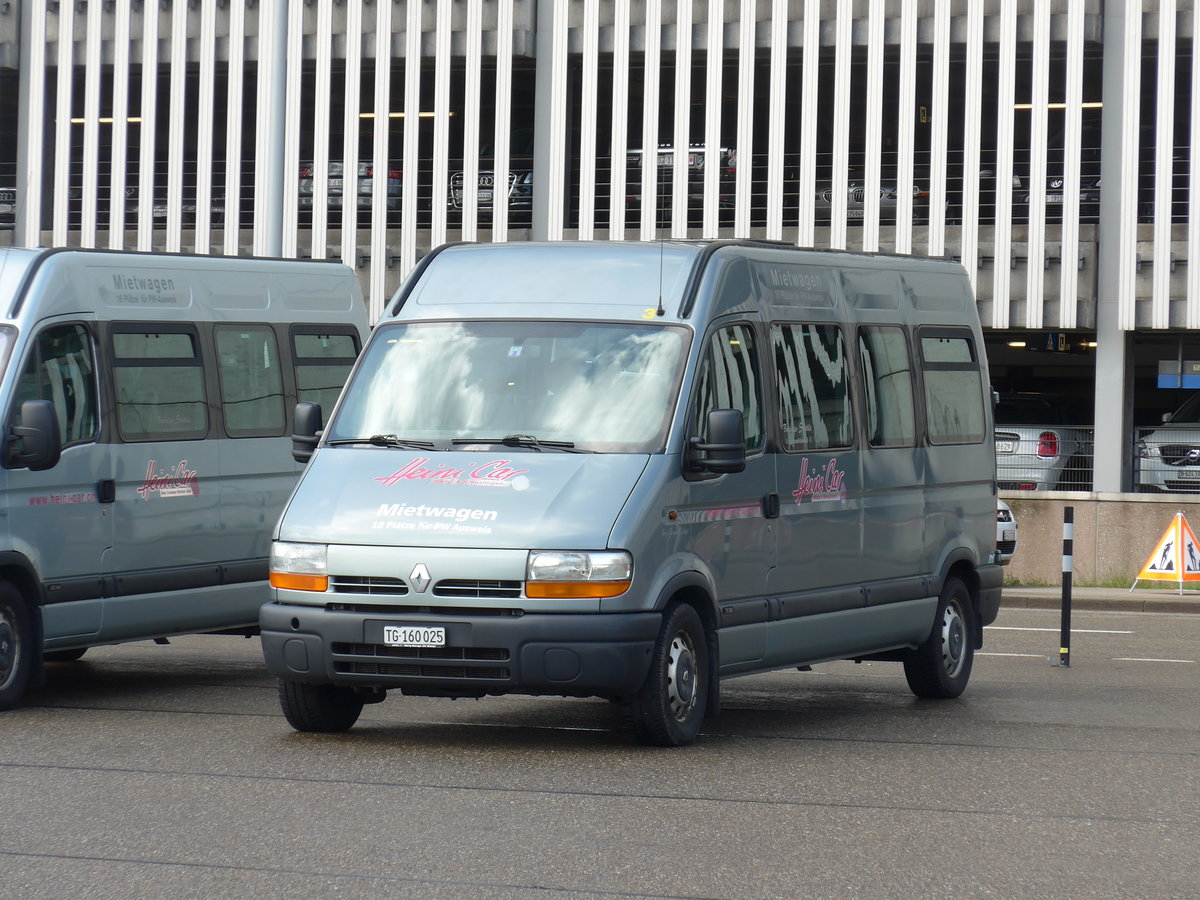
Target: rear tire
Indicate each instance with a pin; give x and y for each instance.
(940, 667)
(322, 708)
(16, 640)
(669, 708)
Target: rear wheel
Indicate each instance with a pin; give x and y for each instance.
(941, 667)
(669, 708)
(16, 638)
(319, 707)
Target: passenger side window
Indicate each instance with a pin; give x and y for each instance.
(323, 359)
(62, 369)
(251, 383)
(887, 377)
(159, 380)
(729, 379)
(953, 386)
(814, 399)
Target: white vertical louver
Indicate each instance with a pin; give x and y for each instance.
(683, 85)
(1164, 142)
(1036, 240)
(61, 197)
(1193, 185)
(93, 73)
(1069, 245)
(651, 72)
(1005, 97)
(380, 167)
(589, 105)
(939, 137)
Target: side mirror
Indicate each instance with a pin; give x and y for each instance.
(40, 444)
(306, 430)
(725, 450)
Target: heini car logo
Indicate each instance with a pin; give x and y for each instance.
(419, 578)
(491, 474)
(177, 481)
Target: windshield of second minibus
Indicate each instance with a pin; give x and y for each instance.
(541, 385)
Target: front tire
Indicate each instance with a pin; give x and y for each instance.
(322, 708)
(669, 708)
(16, 651)
(941, 667)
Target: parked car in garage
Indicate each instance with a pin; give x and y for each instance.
(337, 191)
(1169, 457)
(1043, 443)
(1006, 532)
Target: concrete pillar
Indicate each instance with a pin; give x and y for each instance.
(1111, 468)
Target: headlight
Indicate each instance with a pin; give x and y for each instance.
(553, 574)
(299, 567)
(1148, 451)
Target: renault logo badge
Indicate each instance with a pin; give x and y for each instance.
(419, 578)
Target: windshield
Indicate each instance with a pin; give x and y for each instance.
(8, 334)
(1189, 413)
(581, 385)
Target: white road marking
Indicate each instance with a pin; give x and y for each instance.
(1029, 655)
(1054, 630)
(1151, 659)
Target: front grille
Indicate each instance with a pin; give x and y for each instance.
(477, 589)
(374, 609)
(1006, 546)
(1178, 454)
(375, 585)
(421, 662)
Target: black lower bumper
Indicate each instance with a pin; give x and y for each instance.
(561, 654)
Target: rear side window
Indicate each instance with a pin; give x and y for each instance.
(158, 377)
(814, 396)
(323, 359)
(888, 379)
(953, 386)
(251, 383)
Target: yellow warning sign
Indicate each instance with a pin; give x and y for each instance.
(1176, 557)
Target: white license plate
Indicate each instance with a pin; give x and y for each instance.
(855, 213)
(1054, 198)
(1188, 474)
(1010, 534)
(485, 196)
(414, 636)
(1006, 446)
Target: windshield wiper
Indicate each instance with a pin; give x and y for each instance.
(525, 441)
(385, 440)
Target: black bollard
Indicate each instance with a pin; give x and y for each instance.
(1064, 642)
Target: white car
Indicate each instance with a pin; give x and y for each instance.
(1169, 457)
(1006, 532)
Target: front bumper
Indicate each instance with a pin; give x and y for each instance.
(574, 655)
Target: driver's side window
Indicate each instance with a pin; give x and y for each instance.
(61, 368)
(729, 379)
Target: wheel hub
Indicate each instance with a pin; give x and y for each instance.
(681, 677)
(8, 651)
(954, 639)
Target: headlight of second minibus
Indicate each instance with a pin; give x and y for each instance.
(554, 574)
(299, 567)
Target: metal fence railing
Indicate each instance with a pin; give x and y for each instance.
(1044, 458)
(1167, 458)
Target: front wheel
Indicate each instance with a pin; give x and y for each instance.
(941, 667)
(669, 708)
(321, 708)
(16, 638)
